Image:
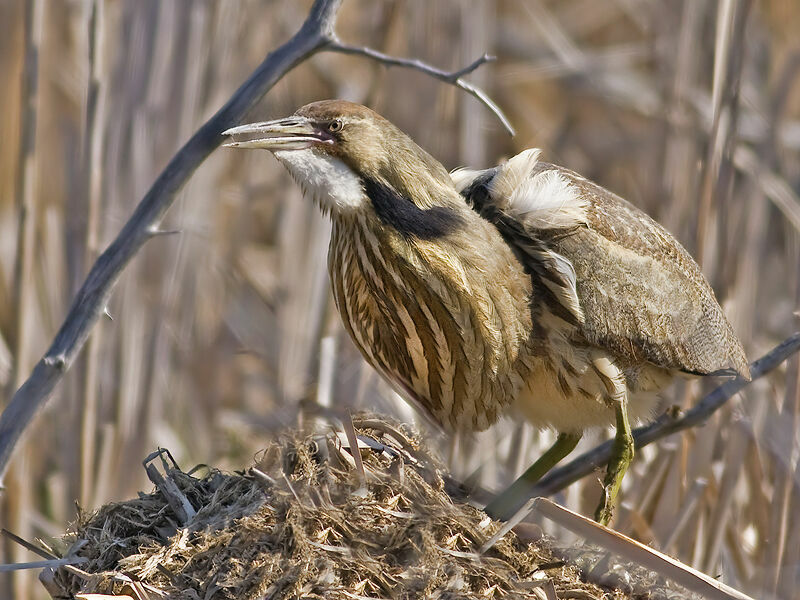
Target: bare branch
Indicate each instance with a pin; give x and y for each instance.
(667, 424)
(451, 77)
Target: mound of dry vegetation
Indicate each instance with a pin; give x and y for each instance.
(309, 522)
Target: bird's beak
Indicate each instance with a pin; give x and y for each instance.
(291, 133)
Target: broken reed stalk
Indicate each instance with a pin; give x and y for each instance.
(621, 545)
(13, 510)
(315, 35)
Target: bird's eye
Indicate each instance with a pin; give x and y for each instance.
(335, 125)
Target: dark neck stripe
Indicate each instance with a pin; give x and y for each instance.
(406, 217)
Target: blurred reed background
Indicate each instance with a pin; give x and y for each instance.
(222, 332)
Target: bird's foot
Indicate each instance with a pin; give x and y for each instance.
(605, 510)
(621, 457)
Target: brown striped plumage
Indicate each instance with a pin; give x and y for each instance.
(431, 322)
(524, 285)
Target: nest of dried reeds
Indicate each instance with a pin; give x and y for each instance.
(309, 521)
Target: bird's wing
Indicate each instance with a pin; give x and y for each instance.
(617, 275)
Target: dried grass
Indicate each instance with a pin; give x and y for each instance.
(301, 525)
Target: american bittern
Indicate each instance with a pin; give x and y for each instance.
(521, 287)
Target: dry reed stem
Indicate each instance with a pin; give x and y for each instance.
(24, 303)
(617, 543)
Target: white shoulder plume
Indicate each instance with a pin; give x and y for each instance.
(542, 200)
(463, 177)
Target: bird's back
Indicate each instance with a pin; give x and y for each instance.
(640, 294)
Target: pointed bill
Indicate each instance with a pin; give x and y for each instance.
(293, 133)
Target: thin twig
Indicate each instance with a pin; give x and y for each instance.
(452, 77)
(27, 545)
(515, 520)
(315, 35)
(43, 564)
(667, 424)
(352, 440)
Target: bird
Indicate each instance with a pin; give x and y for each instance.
(521, 289)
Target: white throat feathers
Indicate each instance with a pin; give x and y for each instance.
(325, 179)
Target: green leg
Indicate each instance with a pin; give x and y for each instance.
(621, 457)
(518, 493)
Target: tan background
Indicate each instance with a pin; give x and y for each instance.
(220, 332)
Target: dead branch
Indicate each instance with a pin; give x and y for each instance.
(451, 77)
(668, 423)
(315, 35)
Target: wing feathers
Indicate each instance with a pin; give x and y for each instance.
(589, 248)
(513, 174)
(564, 286)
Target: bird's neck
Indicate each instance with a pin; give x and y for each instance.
(426, 183)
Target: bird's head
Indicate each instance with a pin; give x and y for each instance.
(339, 151)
